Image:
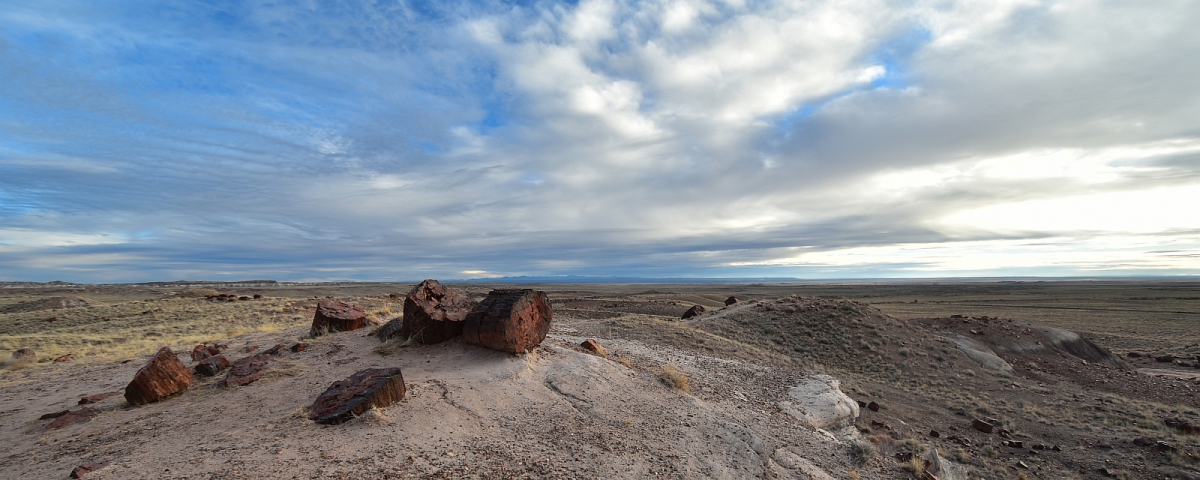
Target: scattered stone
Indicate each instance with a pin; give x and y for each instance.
(593, 346)
(345, 399)
(251, 348)
(862, 404)
(982, 426)
(162, 377)
(53, 415)
(819, 402)
(934, 434)
(247, 370)
(211, 366)
(874, 407)
(201, 352)
(731, 301)
(1182, 425)
(433, 313)
(1038, 446)
(24, 354)
(86, 468)
(1134, 355)
(509, 320)
(243, 298)
(879, 424)
(1022, 465)
(337, 316)
(1014, 444)
(299, 347)
(71, 417)
(65, 358)
(695, 311)
(275, 350)
(1056, 448)
(97, 398)
(258, 296)
(1164, 358)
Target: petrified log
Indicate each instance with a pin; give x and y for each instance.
(509, 320)
(247, 370)
(730, 301)
(162, 377)
(345, 399)
(201, 352)
(211, 366)
(593, 346)
(337, 316)
(692, 312)
(433, 313)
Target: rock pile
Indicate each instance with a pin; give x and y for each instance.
(162, 377)
(509, 320)
(337, 316)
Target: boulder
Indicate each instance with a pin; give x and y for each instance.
(337, 316)
(695, 311)
(345, 399)
(731, 301)
(433, 313)
(509, 320)
(162, 377)
(211, 366)
(247, 370)
(26, 354)
(201, 352)
(982, 426)
(874, 407)
(593, 346)
(818, 401)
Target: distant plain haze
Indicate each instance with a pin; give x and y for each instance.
(377, 141)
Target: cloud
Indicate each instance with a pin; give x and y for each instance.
(402, 140)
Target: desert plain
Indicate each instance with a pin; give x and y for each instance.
(949, 379)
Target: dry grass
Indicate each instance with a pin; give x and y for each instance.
(375, 417)
(674, 378)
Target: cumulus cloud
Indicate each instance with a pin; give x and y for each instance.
(401, 140)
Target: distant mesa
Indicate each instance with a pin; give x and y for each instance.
(512, 321)
(337, 316)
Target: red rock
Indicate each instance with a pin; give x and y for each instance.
(201, 352)
(247, 370)
(345, 399)
(433, 313)
(71, 417)
(337, 316)
(934, 433)
(97, 398)
(24, 354)
(65, 358)
(276, 349)
(594, 347)
(258, 296)
(509, 320)
(211, 366)
(874, 407)
(879, 424)
(299, 347)
(696, 310)
(982, 426)
(86, 468)
(54, 415)
(730, 301)
(162, 377)
(251, 348)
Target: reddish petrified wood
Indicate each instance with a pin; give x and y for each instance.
(97, 398)
(593, 346)
(162, 377)
(70, 417)
(337, 316)
(299, 347)
(211, 366)
(87, 468)
(432, 313)
(696, 310)
(345, 399)
(731, 301)
(246, 370)
(509, 320)
(201, 352)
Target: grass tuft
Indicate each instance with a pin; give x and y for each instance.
(674, 378)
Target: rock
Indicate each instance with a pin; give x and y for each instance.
(433, 313)
(337, 316)
(594, 347)
(201, 352)
(299, 347)
(65, 358)
(818, 401)
(97, 398)
(211, 366)
(276, 349)
(243, 298)
(1164, 358)
(345, 399)
(1134, 355)
(982, 426)
(934, 433)
(879, 424)
(509, 320)
(696, 310)
(258, 296)
(57, 414)
(730, 301)
(247, 370)
(874, 407)
(162, 377)
(71, 417)
(390, 329)
(1182, 425)
(251, 348)
(26, 354)
(86, 468)
(1014, 444)
(981, 354)
(938, 467)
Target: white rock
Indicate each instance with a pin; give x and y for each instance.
(818, 401)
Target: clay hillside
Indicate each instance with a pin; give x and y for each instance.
(467, 381)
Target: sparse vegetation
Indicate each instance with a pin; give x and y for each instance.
(674, 378)
(861, 453)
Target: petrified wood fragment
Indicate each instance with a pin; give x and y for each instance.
(509, 320)
(345, 399)
(162, 377)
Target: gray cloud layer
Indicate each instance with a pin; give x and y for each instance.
(668, 138)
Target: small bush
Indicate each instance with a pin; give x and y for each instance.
(674, 378)
(861, 453)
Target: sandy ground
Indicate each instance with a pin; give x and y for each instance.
(557, 412)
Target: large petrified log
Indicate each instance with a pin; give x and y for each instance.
(509, 320)
(337, 316)
(247, 370)
(433, 313)
(345, 399)
(162, 377)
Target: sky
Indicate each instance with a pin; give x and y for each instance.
(400, 140)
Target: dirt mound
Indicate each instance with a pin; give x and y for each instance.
(51, 303)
